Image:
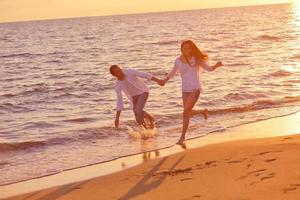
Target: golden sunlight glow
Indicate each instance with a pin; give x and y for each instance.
(297, 10)
(19, 10)
(296, 18)
(295, 24)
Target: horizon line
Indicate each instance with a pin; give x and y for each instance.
(140, 13)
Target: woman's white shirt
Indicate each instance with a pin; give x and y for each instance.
(190, 74)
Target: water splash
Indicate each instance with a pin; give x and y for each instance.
(142, 133)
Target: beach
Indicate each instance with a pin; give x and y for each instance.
(58, 138)
(254, 161)
(57, 98)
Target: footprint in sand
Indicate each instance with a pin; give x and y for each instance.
(263, 176)
(197, 196)
(237, 161)
(210, 163)
(291, 188)
(174, 172)
(267, 152)
(287, 138)
(270, 160)
(193, 197)
(252, 183)
(271, 175)
(186, 179)
(260, 173)
(241, 177)
(257, 171)
(207, 164)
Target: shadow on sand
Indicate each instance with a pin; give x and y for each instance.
(145, 185)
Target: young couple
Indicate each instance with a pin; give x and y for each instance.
(188, 64)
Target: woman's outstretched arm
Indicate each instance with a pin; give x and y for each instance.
(171, 74)
(210, 68)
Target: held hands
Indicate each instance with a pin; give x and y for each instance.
(161, 82)
(158, 81)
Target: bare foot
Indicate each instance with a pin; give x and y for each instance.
(144, 125)
(181, 143)
(149, 121)
(152, 124)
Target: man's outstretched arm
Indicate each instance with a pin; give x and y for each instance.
(119, 104)
(117, 120)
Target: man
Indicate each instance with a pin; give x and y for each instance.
(130, 82)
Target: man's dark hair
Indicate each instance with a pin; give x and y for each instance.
(111, 69)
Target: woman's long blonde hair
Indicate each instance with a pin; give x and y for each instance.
(196, 52)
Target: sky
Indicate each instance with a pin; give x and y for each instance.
(24, 10)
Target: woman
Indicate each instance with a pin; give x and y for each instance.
(189, 65)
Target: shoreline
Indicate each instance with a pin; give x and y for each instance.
(277, 126)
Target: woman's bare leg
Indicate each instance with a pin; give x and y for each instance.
(188, 104)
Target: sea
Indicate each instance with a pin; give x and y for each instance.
(57, 97)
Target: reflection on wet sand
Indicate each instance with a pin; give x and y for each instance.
(151, 154)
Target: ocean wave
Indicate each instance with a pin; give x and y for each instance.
(294, 81)
(59, 76)
(53, 61)
(34, 125)
(4, 147)
(58, 53)
(80, 120)
(35, 85)
(13, 79)
(9, 95)
(269, 37)
(9, 107)
(30, 55)
(260, 105)
(2, 163)
(39, 90)
(243, 96)
(63, 89)
(94, 87)
(20, 55)
(6, 40)
(257, 105)
(90, 38)
(280, 73)
(67, 95)
(170, 42)
(88, 135)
